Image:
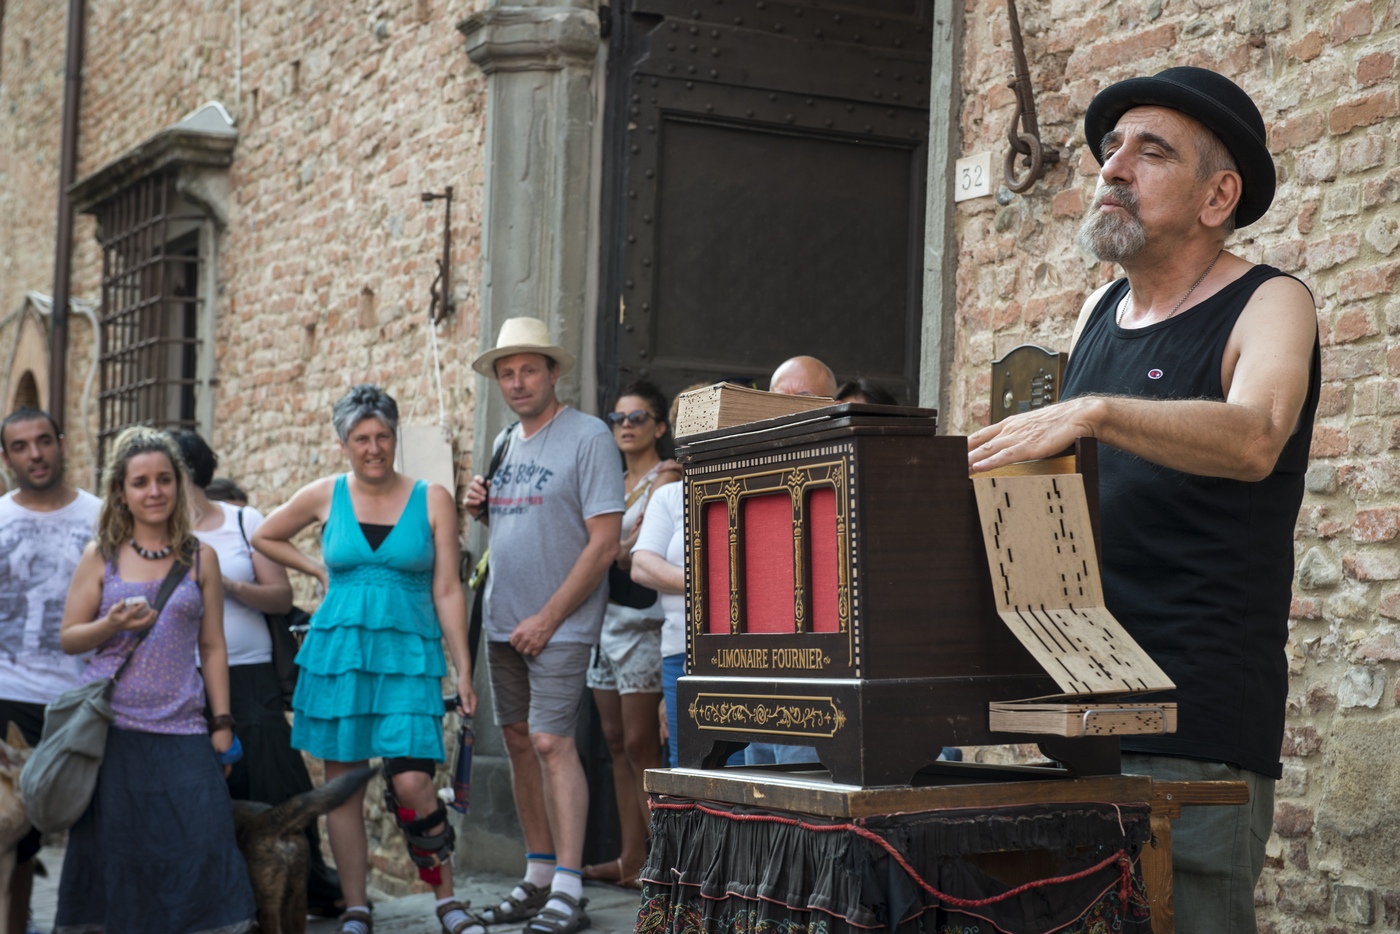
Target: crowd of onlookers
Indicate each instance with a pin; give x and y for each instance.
(583, 586)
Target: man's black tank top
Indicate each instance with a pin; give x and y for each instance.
(1198, 569)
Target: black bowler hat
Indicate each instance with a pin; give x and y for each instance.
(1218, 103)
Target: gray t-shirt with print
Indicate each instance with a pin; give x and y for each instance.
(542, 493)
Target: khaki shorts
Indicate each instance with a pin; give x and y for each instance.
(545, 691)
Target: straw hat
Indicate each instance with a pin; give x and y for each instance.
(523, 335)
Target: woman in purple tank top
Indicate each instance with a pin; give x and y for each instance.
(155, 852)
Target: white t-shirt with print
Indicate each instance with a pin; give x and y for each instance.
(38, 553)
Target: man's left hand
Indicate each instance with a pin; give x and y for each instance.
(532, 634)
(1033, 435)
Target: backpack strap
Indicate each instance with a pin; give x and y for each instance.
(497, 457)
(499, 454)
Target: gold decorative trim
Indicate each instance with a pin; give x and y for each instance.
(777, 473)
(775, 714)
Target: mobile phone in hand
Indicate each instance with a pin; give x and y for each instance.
(136, 601)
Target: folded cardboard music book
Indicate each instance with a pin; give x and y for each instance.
(725, 405)
(1045, 575)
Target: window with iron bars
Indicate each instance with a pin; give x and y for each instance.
(153, 288)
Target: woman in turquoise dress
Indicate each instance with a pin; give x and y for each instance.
(372, 664)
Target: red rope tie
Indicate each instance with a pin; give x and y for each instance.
(1120, 857)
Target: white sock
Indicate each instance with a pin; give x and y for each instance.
(539, 870)
(356, 927)
(454, 917)
(566, 882)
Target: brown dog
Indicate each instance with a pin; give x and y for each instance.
(14, 820)
(274, 847)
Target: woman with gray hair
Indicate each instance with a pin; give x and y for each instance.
(372, 663)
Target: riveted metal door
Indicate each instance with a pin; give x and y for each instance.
(764, 189)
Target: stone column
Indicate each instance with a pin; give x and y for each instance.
(539, 211)
(940, 228)
(539, 258)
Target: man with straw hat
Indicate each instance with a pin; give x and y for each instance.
(554, 505)
(1199, 374)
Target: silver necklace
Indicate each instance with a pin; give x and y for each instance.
(1118, 319)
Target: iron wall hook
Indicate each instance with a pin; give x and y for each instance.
(441, 302)
(1023, 134)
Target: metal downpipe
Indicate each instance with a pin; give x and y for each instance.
(63, 242)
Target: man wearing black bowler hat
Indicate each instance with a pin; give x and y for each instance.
(1199, 375)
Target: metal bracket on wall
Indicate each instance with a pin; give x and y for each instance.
(441, 305)
(1024, 132)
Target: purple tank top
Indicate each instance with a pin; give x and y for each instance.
(160, 690)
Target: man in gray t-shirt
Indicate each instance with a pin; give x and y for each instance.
(554, 506)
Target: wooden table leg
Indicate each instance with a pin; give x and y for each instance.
(1168, 798)
(1156, 862)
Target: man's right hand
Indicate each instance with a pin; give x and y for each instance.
(476, 496)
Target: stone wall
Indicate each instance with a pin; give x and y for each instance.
(1325, 77)
(345, 115)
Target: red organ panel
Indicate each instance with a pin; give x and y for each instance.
(765, 522)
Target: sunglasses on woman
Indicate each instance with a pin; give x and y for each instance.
(635, 418)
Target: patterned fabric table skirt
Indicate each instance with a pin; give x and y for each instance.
(725, 869)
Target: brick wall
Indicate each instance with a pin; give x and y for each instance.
(31, 91)
(345, 115)
(1324, 75)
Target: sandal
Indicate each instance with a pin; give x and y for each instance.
(613, 874)
(520, 909)
(447, 908)
(553, 921)
(611, 871)
(356, 914)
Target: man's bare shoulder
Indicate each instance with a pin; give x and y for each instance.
(1281, 309)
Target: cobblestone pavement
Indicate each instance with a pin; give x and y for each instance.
(612, 909)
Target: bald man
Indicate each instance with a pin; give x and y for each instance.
(798, 376)
(803, 376)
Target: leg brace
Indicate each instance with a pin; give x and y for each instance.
(428, 851)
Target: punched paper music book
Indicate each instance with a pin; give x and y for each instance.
(1045, 578)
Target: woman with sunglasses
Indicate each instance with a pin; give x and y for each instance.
(626, 671)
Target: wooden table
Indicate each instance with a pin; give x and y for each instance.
(811, 794)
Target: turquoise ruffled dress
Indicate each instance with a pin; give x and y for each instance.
(372, 663)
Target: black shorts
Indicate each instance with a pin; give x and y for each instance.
(403, 764)
(30, 720)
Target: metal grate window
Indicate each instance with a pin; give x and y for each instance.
(150, 311)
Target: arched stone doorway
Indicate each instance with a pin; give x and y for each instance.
(26, 392)
(27, 375)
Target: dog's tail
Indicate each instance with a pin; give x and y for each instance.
(300, 810)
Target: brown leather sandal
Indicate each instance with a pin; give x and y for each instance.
(447, 908)
(516, 909)
(356, 914)
(553, 921)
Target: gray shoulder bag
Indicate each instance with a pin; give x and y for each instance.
(59, 779)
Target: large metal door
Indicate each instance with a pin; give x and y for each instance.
(764, 189)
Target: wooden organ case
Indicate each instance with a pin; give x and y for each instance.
(838, 596)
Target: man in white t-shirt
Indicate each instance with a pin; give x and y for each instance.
(44, 525)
